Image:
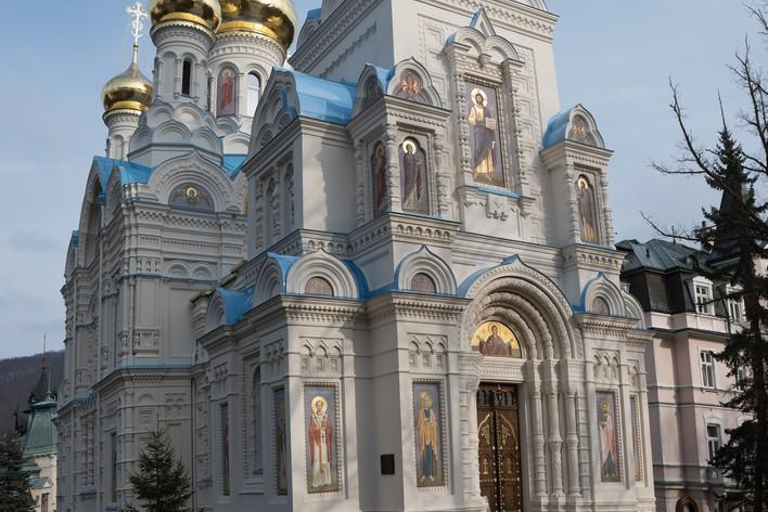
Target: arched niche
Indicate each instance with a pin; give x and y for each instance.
(600, 288)
(322, 265)
(425, 262)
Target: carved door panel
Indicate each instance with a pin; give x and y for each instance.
(499, 447)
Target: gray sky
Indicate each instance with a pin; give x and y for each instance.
(614, 56)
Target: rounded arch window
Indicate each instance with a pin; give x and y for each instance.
(186, 77)
(424, 283)
(687, 504)
(253, 93)
(600, 306)
(319, 286)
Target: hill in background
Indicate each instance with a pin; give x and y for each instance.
(18, 377)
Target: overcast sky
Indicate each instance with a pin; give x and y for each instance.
(613, 56)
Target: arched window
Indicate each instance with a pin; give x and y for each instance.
(254, 91)
(186, 77)
(258, 466)
(319, 286)
(421, 282)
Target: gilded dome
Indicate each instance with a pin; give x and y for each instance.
(202, 12)
(129, 90)
(275, 19)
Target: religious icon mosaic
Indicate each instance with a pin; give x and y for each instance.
(411, 87)
(497, 340)
(281, 442)
(585, 197)
(413, 170)
(428, 414)
(191, 196)
(379, 174)
(226, 93)
(484, 134)
(322, 435)
(607, 422)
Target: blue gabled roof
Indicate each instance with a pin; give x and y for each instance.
(314, 14)
(130, 172)
(232, 164)
(322, 99)
(236, 303)
(557, 130)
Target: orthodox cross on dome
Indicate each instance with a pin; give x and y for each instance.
(138, 15)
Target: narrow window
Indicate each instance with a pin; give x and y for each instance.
(741, 377)
(113, 465)
(736, 310)
(225, 449)
(254, 91)
(707, 368)
(257, 459)
(186, 77)
(713, 439)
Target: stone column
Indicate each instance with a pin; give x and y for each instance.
(393, 169)
(538, 434)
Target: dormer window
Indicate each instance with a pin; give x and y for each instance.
(735, 305)
(186, 77)
(702, 296)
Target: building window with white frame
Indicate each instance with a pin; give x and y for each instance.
(702, 297)
(707, 368)
(735, 305)
(713, 439)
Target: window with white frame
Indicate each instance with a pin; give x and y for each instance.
(742, 374)
(702, 296)
(713, 439)
(735, 305)
(707, 368)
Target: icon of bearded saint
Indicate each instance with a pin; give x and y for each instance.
(410, 86)
(320, 444)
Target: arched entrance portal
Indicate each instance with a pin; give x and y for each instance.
(499, 447)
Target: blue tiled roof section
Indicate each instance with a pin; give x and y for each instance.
(75, 238)
(314, 14)
(232, 164)
(362, 282)
(236, 303)
(557, 130)
(323, 100)
(285, 262)
(130, 172)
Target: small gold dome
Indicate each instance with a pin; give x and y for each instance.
(203, 12)
(275, 19)
(128, 90)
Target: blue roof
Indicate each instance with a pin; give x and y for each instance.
(232, 164)
(557, 130)
(130, 172)
(75, 238)
(314, 14)
(236, 303)
(321, 99)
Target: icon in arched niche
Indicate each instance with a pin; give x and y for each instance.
(585, 197)
(411, 87)
(226, 93)
(484, 138)
(379, 170)
(497, 340)
(413, 167)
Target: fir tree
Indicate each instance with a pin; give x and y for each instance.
(736, 233)
(162, 483)
(14, 483)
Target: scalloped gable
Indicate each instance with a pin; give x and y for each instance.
(130, 172)
(320, 99)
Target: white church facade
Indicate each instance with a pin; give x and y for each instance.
(376, 276)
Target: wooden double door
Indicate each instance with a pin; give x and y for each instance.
(499, 449)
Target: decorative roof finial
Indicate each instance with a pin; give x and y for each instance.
(138, 15)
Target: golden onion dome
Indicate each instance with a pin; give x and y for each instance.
(275, 19)
(202, 12)
(129, 90)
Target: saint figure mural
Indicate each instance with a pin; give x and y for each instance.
(495, 339)
(427, 435)
(379, 169)
(320, 444)
(609, 463)
(586, 200)
(226, 93)
(484, 138)
(414, 171)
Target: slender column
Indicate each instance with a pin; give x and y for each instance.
(538, 434)
(555, 439)
(362, 175)
(572, 442)
(393, 170)
(442, 177)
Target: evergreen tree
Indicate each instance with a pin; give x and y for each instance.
(736, 232)
(14, 483)
(162, 483)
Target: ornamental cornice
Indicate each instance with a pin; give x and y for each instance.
(328, 33)
(602, 326)
(599, 259)
(184, 29)
(248, 43)
(637, 340)
(504, 14)
(571, 152)
(416, 307)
